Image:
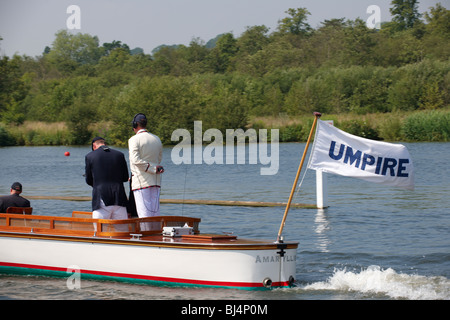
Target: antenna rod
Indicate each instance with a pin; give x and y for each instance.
(317, 115)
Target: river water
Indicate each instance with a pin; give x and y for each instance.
(373, 242)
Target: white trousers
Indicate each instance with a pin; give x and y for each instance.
(147, 205)
(111, 212)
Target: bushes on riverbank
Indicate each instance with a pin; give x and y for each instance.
(415, 126)
(231, 101)
(5, 138)
(427, 126)
(40, 134)
(401, 126)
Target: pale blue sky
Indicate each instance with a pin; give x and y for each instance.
(27, 26)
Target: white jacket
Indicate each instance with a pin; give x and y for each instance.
(145, 151)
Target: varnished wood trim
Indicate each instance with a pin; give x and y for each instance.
(243, 245)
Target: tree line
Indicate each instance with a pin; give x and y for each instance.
(340, 67)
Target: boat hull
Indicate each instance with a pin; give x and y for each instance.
(162, 262)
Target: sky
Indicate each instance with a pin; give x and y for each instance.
(28, 26)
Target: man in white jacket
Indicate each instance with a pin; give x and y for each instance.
(145, 150)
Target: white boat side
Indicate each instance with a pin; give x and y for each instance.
(227, 262)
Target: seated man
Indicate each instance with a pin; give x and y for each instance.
(14, 199)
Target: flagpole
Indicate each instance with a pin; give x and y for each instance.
(317, 115)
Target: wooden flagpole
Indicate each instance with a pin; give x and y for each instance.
(317, 115)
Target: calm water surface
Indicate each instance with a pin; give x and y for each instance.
(373, 242)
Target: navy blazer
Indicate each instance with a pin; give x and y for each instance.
(106, 171)
(13, 200)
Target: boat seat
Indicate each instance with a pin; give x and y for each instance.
(20, 210)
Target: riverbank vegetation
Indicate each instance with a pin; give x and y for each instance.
(388, 84)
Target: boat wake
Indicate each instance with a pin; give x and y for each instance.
(376, 281)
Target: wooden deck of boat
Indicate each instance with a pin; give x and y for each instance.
(81, 228)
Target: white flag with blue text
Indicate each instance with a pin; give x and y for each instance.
(339, 152)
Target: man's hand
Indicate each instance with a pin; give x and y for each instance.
(159, 169)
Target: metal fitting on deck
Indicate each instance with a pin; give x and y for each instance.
(135, 236)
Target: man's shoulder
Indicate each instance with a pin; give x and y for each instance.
(26, 202)
(100, 151)
(89, 155)
(6, 197)
(132, 139)
(14, 198)
(116, 152)
(108, 152)
(153, 138)
(144, 137)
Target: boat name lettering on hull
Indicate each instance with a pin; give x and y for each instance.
(270, 259)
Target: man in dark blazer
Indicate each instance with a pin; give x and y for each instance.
(14, 199)
(106, 171)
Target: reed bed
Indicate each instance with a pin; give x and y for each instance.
(425, 125)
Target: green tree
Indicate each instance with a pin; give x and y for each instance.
(359, 43)
(139, 64)
(5, 138)
(195, 55)
(295, 24)
(438, 20)
(116, 59)
(436, 39)
(136, 51)
(171, 60)
(14, 88)
(70, 51)
(273, 101)
(79, 116)
(328, 43)
(110, 46)
(405, 12)
(432, 97)
(252, 40)
(278, 54)
(219, 59)
(6, 85)
(225, 109)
